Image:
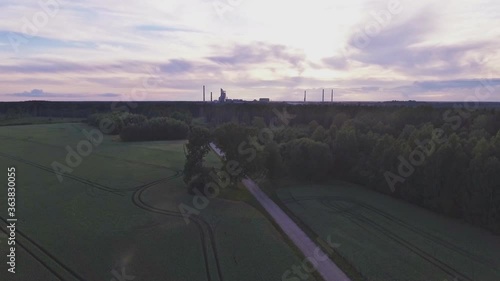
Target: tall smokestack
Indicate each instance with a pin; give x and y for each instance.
(323, 98)
(332, 95)
(305, 96)
(203, 93)
(211, 97)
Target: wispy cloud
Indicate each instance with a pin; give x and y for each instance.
(41, 94)
(259, 52)
(411, 48)
(161, 28)
(93, 47)
(176, 66)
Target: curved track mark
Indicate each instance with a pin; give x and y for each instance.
(453, 272)
(43, 250)
(73, 177)
(198, 221)
(361, 221)
(431, 237)
(93, 153)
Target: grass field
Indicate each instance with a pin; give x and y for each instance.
(37, 120)
(118, 210)
(386, 239)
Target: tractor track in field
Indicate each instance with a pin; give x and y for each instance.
(93, 153)
(361, 221)
(69, 176)
(200, 223)
(453, 272)
(43, 250)
(429, 236)
(136, 197)
(137, 202)
(80, 179)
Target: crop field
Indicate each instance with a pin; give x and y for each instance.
(117, 212)
(36, 120)
(386, 239)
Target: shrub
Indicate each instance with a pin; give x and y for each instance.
(120, 120)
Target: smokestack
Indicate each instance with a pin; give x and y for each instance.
(305, 96)
(332, 95)
(211, 97)
(203, 93)
(323, 98)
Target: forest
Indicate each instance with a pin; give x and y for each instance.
(443, 157)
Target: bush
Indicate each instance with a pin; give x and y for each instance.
(133, 119)
(120, 120)
(136, 132)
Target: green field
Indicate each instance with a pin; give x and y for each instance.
(37, 120)
(387, 239)
(118, 209)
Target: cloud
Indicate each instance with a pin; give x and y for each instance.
(259, 53)
(161, 28)
(64, 66)
(22, 43)
(405, 47)
(109, 95)
(176, 66)
(459, 89)
(336, 62)
(450, 84)
(370, 89)
(250, 52)
(141, 67)
(38, 93)
(41, 94)
(32, 93)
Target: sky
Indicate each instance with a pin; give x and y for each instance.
(364, 50)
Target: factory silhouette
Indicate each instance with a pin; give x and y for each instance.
(223, 98)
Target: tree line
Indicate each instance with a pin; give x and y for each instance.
(137, 127)
(441, 156)
(445, 159)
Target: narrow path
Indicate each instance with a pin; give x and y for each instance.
(325, 267)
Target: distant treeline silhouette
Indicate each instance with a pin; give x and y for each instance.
(136, 127)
